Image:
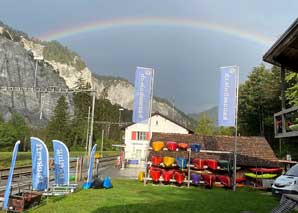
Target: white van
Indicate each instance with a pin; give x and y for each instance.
(287, 183)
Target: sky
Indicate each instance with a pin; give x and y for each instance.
(184, 41)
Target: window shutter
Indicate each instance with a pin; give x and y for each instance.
(147, 136)
(133, 135)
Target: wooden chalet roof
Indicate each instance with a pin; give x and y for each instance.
(251, 151)
(284, 52)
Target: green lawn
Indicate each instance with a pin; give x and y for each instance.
(24, 158)
(132, 196)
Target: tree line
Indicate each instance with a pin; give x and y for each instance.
(259, 98)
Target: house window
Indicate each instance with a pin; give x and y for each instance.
(141, 136)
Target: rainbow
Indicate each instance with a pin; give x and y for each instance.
(154, 21)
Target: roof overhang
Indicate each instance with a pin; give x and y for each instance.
(284, 52)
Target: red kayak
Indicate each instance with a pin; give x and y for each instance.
(155, 174)
(171, 145)
(167, 175)
(224, 180)
(266, 170)
(199, 163)
(156, 160)
(208, 180)
(240, 180)
(179, 177)
(212, 164)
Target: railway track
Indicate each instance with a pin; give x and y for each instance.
(27, 170)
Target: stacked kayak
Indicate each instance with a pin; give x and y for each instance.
(182, 146)
(266, 170)
(156, 160)
(195, 178)
(179, 177)
(209, 180)
(172, 146)
(224, 180)
(260, 176)
(212, 164)
(167, 175)
(155, 174)
(157, 145)
(181, 162)
(168, 161)
(198, 163)
(195, 147)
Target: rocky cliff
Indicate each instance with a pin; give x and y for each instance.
(23, 58)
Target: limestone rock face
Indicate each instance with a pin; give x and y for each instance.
(17, 69)
(21, 58)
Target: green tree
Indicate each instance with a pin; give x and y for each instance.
(205, 125)
(22, 131)
(292, 88)
(258, 101)
(59, 125)
(82, 101)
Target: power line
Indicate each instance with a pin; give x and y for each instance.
(45, 90)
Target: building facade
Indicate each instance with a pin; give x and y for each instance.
(137, 137)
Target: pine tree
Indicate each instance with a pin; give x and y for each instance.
(58, 126)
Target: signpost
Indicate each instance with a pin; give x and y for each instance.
(228, 105)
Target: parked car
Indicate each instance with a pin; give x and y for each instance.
(287, 183)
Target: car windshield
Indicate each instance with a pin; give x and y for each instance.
(293, 171)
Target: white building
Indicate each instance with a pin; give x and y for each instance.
(137, 136)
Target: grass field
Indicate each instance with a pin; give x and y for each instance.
(132, 196)
(24, 158)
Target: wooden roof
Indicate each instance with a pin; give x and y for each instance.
(251, 151)
(284, 51)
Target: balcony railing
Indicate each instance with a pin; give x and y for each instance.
(286, 123)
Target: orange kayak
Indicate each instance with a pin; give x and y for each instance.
(158, 145)
(182, 145)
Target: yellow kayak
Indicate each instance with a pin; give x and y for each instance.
(262, 176)
(168, 161)
(158, 145)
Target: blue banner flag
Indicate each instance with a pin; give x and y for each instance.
(142, 95)
(90, 169)
(227, 96)
(10, 175)
(61, 163)
(40, 165)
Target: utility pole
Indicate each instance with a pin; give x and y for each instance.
(101, 149)
(87, 134)
(91, 125)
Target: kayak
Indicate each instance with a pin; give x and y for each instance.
(156, 160)
(168, 161)
(224, 180)
(240, 180)
(195, 178)
(262, 176)
(167, 175)
(179, 177)
(182, 145)
(155, 174)
(158, 145)
(198, 163)
(266, 170)
(212, 164)
(182, 162)
(195, 147)
(171, 145)
(209, 180)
